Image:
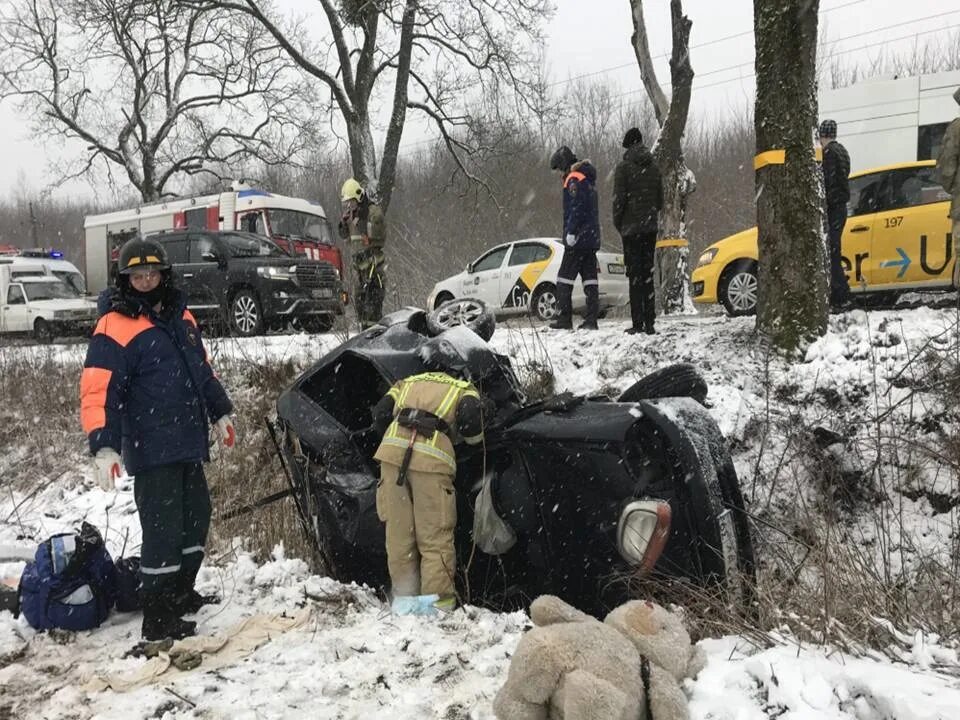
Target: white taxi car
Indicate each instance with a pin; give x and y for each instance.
(521, 276)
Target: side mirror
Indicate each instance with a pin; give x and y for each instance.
(469, 268)
(209, 256)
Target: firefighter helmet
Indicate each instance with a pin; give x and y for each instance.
(351, 190)
(142, 254)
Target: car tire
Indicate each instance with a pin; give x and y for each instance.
(470, 313)
(543, 302)
(680, 380)
(737, 289)
(442, 298)
(245, 315)
(43, 331)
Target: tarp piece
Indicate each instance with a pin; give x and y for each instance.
(213, 651)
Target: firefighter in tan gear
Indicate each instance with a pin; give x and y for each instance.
(363, 225)
(425, 416)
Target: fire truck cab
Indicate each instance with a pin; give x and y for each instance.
(299, 226)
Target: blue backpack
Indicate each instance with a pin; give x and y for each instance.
(71, 583)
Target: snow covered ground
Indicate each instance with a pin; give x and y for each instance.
(353, 659)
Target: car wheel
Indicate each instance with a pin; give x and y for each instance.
(681, 380)
(738, 288)
(543, 303)
(246, 318)
(43, 331)
(471, 313)
(442, 298)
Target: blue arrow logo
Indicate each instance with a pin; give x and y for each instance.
(903, 263)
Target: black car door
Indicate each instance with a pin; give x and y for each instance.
(206, 274)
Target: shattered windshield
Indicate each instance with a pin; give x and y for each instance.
(299, 224)
(250, 245)
(48, 290)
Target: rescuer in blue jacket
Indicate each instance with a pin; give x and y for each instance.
(148, 391)
(581, 235)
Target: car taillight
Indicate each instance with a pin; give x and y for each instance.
(643, 531)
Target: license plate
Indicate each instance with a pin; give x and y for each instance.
(615, 269)
(322, 292)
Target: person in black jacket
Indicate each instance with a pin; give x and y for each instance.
(637, 199)
(581, 235)
(148, 391)
(836, 186)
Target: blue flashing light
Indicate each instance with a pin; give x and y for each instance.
(56, 254)
(253, 192)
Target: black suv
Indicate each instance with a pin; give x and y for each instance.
(250, 282)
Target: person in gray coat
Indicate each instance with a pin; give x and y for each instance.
(637, 199)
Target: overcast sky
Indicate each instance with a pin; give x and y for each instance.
(596, 41)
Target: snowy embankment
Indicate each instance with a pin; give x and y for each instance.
(352, 659)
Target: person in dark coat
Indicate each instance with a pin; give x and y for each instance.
(637, 200)
(581, 235)
(148, 391)
(836, 186)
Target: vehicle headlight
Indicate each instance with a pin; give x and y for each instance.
(707, 257)
(61, 314)
(643, 531)
(277, 273)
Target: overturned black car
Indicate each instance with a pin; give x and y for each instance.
(598, 492)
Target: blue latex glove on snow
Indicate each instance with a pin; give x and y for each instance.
(414, 605)
(571, 240)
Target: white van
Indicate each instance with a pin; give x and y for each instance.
(63, 269)
(34, 300)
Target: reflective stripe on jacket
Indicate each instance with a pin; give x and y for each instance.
(436, 393)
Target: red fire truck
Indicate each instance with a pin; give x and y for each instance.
(299, 226)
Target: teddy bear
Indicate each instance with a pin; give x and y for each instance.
(571, 666)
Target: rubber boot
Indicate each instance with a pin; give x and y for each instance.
(188, 601)
(160, 619)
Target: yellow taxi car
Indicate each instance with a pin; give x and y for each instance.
(897, 238)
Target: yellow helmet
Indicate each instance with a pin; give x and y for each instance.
(351, 190)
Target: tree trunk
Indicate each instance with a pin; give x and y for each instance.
(672, 259)
(792, 302)
(678, 181)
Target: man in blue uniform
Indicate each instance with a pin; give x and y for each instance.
(148, 391)
(581, 235)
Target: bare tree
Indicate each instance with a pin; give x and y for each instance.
(792, 302)
(154, 87)
(678, 180)
(428, 56)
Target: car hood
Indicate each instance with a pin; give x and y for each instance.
(67, 304)
(750, 234)
(277, 261)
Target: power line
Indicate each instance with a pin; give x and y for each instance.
(715, 41)
(825, 57)
(750, 63)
